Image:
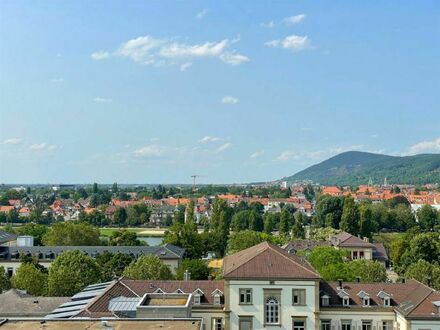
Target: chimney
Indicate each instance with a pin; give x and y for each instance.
(210, 278)
(429, 281)
(366, 239)
(358, 279)
(340, 284)
(186, 275)
(403, 280)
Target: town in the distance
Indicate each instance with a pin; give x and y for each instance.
(289, 255)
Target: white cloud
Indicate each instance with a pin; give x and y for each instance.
(152, 150)
(101, 55)
(223, 147)
(257, 154)
(57, 80)
(38, 146)
(296, 19)
(148, 50)
(208, 138)
(233, 58)
(102, 100)
(201, 14)
(185, 66)
(294, 43)
(426, 146)
(268, 25)
(229, 99)
(12, 141)
(287, 155)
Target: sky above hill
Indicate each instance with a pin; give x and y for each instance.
(235, 91)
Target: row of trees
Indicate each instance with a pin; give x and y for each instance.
(72, 271)
(75, 234)
(332, 265)
(365, 218)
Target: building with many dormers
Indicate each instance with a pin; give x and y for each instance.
(264, 287)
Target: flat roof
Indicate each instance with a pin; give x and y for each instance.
(94, 324)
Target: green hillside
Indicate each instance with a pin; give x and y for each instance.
(355, 168)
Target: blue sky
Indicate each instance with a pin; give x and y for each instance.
(236, 91)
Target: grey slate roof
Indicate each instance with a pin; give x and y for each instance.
(6, 237)
(15, 303)
(167, 251)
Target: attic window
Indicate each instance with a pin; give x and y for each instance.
(366, 301)
(217, 299)
(325, 300)
(197, 299)
(346, 301)
(387, 301)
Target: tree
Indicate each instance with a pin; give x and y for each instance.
(119, 217)
(198, 268)
(329, 205)
(187, 237)
(115, 188)
(269, 222)
(255, 221)
(71, 272)
(113, 264)
(366, 224)
(179, 215)
(368, 270)
(244, 239)
(323, 256)
(425, 272)
(34, 230)
(428, 217)
(95, 188)
(5, 283)
(124, 238)
(240, 220)
(350, 216)
(148, 268)
(28, 277)
(190, 211)
(286, 220)
(71, 234)
(298, 228)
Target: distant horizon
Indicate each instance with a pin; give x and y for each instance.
(237, 92)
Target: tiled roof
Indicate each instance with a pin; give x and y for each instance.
(379, 252)
(267, 261)
(345, 239)
(99, 306)
(412, 299)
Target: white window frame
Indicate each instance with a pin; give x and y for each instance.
(326, 325)
(325, 301)
(197, 298)
(366, 301)
(247, 293)
(367, 325)
(346, 301)
(346, 325)
(272, 311)
(387, 325)
(217, 323)
(217, 299)
(387, 301)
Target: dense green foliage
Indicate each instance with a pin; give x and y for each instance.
(28, 277)
(5, 283)
(71, 272)
(198, 269)
(125, 237)
(113, 264)
(332, 265)
(244, 239)
(354, 168)
(148, 268)
(71, 234)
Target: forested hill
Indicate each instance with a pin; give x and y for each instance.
(356, 168)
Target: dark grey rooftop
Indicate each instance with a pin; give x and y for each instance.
(6, 237)
(167, 251)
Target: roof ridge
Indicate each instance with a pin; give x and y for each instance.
(431, 290)
(238, 266)
(297, 263)
(120, 281)
(86, 307)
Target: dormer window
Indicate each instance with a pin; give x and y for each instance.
(325, 300)
(386, 302)
(217, 300)
(197, 298)
(366, 301)
(346, 301)
(158, 290)
(386, 298)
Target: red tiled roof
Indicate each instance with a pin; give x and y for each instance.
(267, 261)
(345, 239)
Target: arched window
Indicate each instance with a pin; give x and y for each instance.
(272, 308)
